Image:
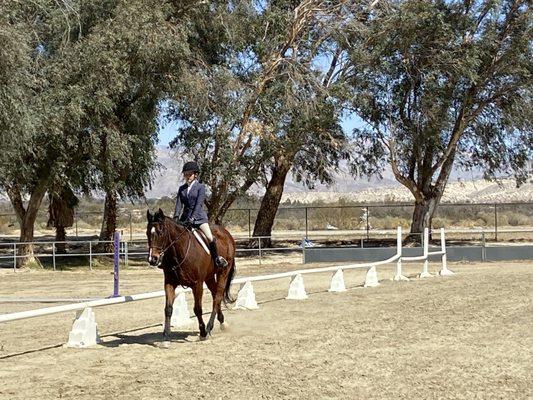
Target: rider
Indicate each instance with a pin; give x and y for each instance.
(191, 198)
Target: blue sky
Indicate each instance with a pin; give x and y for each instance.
(168, 130)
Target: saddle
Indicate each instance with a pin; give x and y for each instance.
(202, 239)
(198, 234)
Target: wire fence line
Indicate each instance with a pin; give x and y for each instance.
(137, 249)
(81, 248)
(309, 218)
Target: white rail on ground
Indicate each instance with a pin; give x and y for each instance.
(150, 295)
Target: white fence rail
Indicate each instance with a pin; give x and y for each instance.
(130, 248)
(295, 275)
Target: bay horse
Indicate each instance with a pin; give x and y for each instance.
(175, 249)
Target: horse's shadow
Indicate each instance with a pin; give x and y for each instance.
(152, 339)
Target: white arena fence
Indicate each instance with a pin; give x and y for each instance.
(84, 331)
(136, 248)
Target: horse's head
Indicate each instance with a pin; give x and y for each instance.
(155, 232)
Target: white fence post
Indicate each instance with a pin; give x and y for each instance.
(371, 279)
(259, 250)
(444, 271)
(399, 276)
(54, 255)
(181, 316)
(425, 272)
(246, 298)
(84, 331)
(125, 254)
(90, 256)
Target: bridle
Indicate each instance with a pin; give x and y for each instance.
(162, 253)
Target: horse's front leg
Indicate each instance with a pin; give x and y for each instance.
(170, 295)
(198, 291)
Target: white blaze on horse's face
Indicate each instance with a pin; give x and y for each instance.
(151, 259)
(155, 256)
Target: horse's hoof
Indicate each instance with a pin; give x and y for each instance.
(203, 338)
(224, 326)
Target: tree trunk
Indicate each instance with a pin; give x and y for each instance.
(270, 202)
(109, 221)
(61, 213)
(213, 207)
(422, 217)
(25, 251)
(61, 236)
(26, 218)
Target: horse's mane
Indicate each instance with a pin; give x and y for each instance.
(171, 226)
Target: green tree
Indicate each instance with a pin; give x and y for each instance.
(36, 35)
(125, 62)
(88, 86)
(246, 88)
(439, 82)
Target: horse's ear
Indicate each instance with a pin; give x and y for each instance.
(161, 213)
(148, 216)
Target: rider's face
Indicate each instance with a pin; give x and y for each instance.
(189, 176)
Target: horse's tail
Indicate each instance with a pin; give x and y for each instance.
(228, 299)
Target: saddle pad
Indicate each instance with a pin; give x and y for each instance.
(199, 235)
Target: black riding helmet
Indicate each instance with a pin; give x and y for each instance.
(190, 166)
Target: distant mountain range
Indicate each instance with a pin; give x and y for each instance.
(463, 186)
(168, 178)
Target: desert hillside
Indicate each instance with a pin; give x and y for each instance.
(475, 191)
(463, 187)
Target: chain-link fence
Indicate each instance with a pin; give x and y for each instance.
(361, 220)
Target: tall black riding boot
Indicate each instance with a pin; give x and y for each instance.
(219, 261)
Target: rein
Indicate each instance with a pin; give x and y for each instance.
(162, 253)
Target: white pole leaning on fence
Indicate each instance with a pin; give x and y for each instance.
(399, 276)
(444, 271)
(425, 272)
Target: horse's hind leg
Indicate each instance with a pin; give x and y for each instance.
(212, 285)
(170, 295)
(198, 292)
(217, 290)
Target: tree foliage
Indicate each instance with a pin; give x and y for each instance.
(262, 98)
(439, 82)
(88, 77)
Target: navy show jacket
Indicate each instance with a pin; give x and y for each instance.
(192, 204)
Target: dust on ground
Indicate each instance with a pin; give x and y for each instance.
(461, 337)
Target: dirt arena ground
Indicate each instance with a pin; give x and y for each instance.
(463, 337)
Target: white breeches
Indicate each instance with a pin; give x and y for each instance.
(207, 231)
